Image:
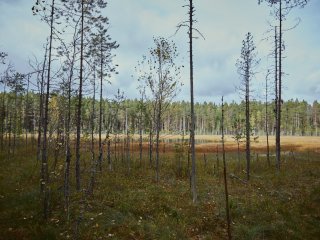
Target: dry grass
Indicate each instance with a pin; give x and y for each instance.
(288, 143)
(273, 205)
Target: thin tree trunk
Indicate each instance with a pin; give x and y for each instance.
(217, 158)
(67, 142)
(247, 126)
(225, 175)
(40, 123)
(93, 157)
(150, 146)
(109, 152)
(3, 116)
(127, 144)
(140, 129)
(10, 131)
(15, 121)
(192, 127)
(266, 122)
(140, 139)
(276, 82)
(100, 110)
(239, 166)
(278, 146)
(44, 155)
(26, 112)
(79, 102)
(157, 141)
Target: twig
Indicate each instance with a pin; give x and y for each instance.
(231, 175)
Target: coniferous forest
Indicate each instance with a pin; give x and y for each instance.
(77, 163)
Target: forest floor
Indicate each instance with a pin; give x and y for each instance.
(131, 205)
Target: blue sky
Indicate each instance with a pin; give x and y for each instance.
(223, 23)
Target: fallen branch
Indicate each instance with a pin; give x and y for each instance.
(231, 175)
(252, 175)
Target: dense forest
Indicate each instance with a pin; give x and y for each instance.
(19, 116)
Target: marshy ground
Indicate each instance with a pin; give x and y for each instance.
(131, 205)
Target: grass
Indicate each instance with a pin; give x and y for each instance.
(273, 205)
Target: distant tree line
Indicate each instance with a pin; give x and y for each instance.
(19, 116)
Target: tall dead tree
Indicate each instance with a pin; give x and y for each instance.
(266, 120)
(246, 65)
(281, 9)
(92, 126)
(79, 106)
(41, 90)
(44, 151)
(189, 25)
(192, 127)
(225, 171)
(276, 86)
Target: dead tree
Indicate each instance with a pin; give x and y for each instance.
(266, 120)
(79, 106)
(281, 9)
(189, 25)
(225, 172)
(44, 151)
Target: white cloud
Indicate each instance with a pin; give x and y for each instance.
(223, 23)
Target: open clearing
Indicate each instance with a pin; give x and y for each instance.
(131, 205)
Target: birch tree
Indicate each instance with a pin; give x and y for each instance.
(161, 77)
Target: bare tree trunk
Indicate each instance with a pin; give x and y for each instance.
(10, 131)
(276, 82)
(247, 127)
(205, 160)
(26, 112)
(192, 127)
(225, 174)
(44, 166)
(15, 122)
(3, 116)
(40, 124)
(217, 159)
(239, 165)
(140, 139)
(93, 157)
(100, 111)
(278, 146)
(150, 146)
(127, 144)
(79, 102)
(68, 156)
(157, 141)
(109, 152)
(67, 141)
(266, 124)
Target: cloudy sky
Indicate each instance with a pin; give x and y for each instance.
(224, 23)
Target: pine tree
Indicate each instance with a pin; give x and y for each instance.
(246, 65)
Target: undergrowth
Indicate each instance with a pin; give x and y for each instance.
(131, 205)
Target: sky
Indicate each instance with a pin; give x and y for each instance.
(223, 23)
